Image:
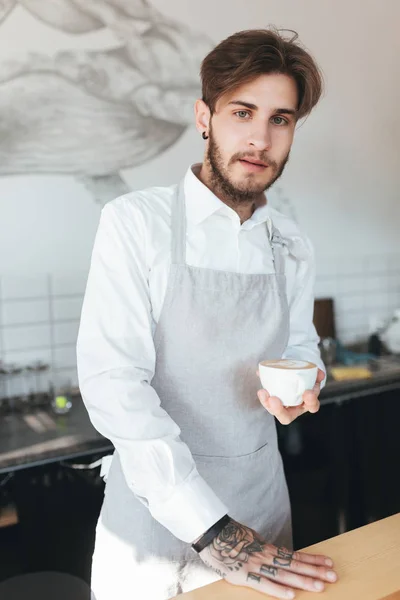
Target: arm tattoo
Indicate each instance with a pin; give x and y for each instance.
(253, 577)
(268, 571)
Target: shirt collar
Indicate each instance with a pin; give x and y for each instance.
(202, 203)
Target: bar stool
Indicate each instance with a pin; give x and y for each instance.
(46, 585)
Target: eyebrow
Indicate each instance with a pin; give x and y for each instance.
(283, 111)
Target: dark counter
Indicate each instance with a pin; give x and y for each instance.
(71, 436)
(40, 437)
(385, 378)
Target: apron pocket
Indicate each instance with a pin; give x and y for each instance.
(248, 456)
(252, 486)
(244, 479)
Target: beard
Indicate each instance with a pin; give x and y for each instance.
(247, 190)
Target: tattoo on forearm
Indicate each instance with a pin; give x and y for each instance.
(268, 571)
(254, 577)
(284, 558)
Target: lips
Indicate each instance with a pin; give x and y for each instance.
(254, 161)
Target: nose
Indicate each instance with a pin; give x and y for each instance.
(260, 138)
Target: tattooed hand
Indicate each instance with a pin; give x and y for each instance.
(242, 557)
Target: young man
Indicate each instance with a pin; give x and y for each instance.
(191, 286)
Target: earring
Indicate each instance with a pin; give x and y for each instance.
(204, 136)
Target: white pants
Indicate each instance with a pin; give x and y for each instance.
(116, 575)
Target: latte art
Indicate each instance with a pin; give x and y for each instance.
(288, 364)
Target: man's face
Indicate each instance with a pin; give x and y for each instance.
(253, 124)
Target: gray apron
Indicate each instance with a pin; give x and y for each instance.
(213, 330)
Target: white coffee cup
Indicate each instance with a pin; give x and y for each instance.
(288, 379)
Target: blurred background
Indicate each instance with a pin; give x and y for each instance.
(97, 99)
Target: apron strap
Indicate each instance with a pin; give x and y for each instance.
(278, 251)
(178, 227)
(178, 234)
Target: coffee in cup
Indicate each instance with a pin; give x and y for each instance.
(288, 379)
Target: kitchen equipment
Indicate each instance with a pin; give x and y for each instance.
(39, 386)
(391, 335)
(324, 317)
(328, 348)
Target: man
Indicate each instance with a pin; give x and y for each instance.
(189, 288)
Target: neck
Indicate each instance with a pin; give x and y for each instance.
(244, 208)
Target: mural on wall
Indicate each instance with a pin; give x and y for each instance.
(92, 113)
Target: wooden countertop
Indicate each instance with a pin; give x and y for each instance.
(367, 561)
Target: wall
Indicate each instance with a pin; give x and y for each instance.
(341, 181)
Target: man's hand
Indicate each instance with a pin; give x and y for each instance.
(286, 415)
(242, 557)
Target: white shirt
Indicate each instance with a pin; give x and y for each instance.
(124, 296)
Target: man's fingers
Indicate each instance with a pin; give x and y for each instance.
(283, 414)
(283, 578)
(286, 415)
(304, 569)
(311, 401)
(313, 559)
(262, 584)
(310, 397)
(306, 557)
(292, 579)
(263, 397)
(317, 389)
(275, 407)
(312, 565)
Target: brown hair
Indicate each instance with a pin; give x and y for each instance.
(246, 55)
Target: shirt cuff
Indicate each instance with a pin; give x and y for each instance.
(190, 510)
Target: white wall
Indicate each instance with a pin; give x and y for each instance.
(343, 174)
(342, 179)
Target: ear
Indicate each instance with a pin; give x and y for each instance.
(203, 115)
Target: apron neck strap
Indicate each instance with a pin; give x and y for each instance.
(178, 226)
(178, 234)
(279, 260)
(278, 251)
